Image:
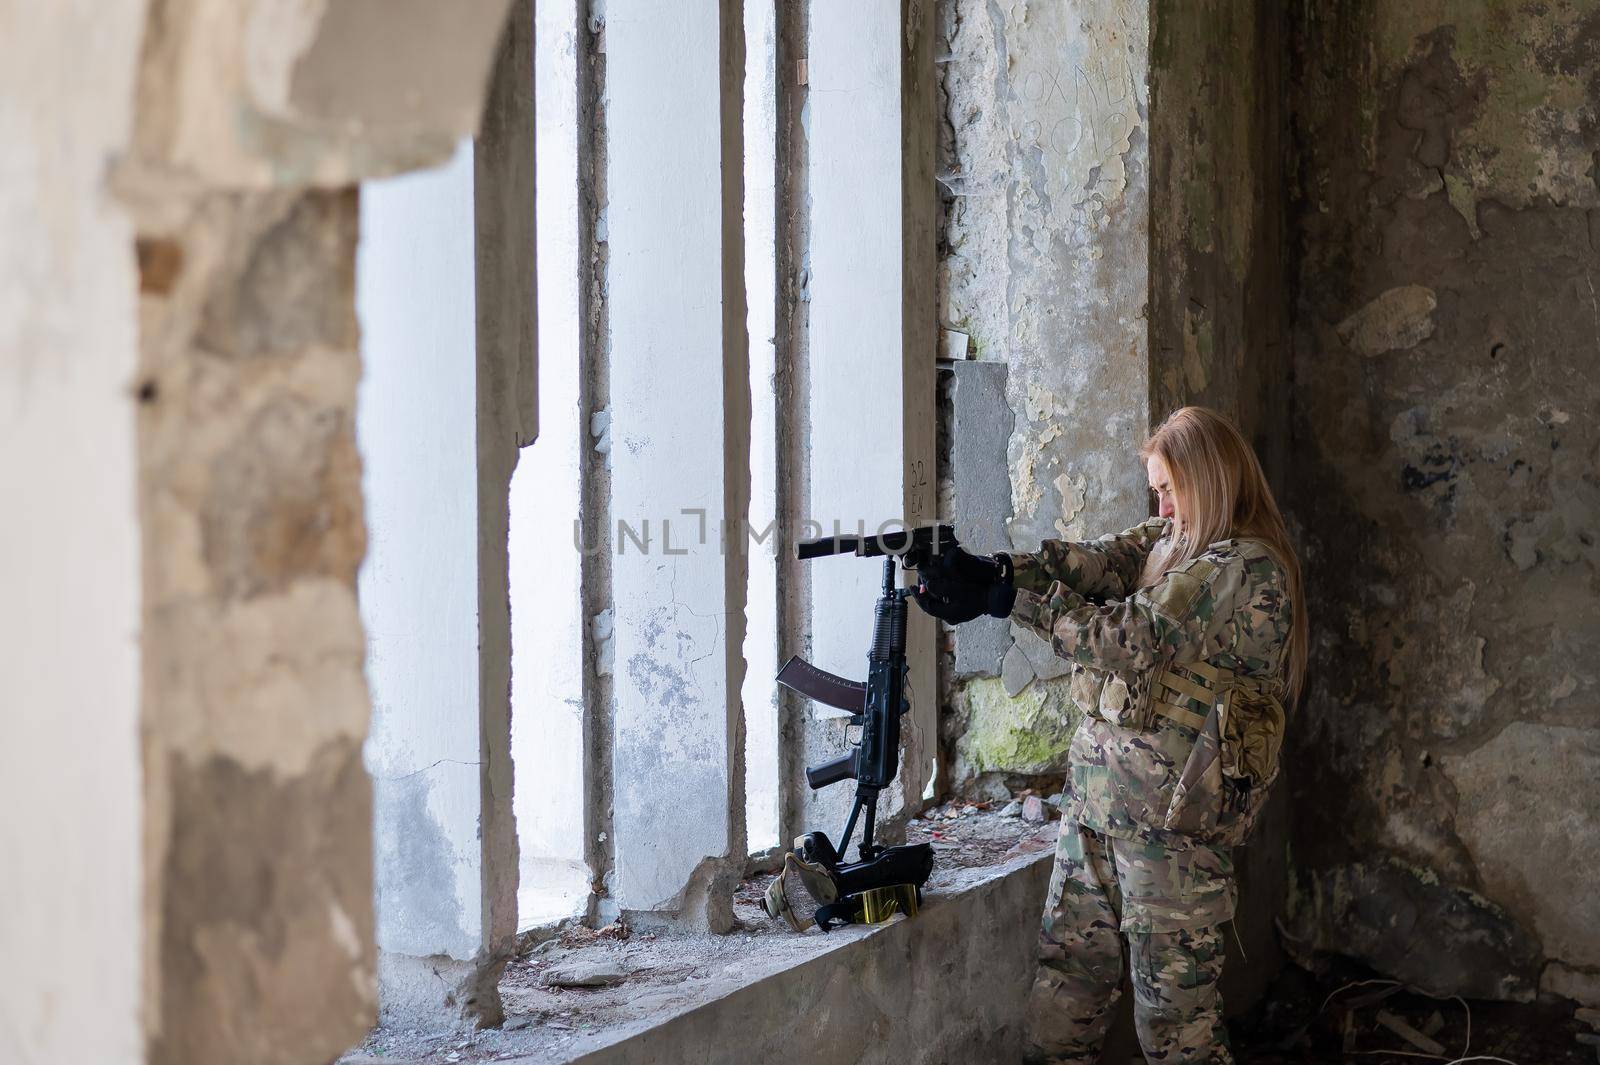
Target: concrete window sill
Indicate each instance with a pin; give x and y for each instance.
(946, 985)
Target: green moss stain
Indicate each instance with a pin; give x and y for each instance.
(1029, 733)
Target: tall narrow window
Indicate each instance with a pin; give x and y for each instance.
(760, 221)
(546, 603)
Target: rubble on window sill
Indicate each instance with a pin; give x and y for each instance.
(650, 976)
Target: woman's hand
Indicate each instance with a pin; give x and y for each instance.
(956, 586)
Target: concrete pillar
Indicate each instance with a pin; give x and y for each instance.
(447, 304)
(419, 584)
(179, 343)
(1112, 221)
(680, 417)
(505, 206)
(872, 345)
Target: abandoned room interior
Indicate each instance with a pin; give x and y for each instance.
(411, 410)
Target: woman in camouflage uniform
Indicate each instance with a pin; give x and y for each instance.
(1187, 637)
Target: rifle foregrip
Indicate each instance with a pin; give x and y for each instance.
(889, 630)
(841, 768)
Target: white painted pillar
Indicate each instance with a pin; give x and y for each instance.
(680, 400)
(445, 291)
(872, 330)
(417, 431)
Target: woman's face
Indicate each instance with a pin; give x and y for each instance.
(1161, 485)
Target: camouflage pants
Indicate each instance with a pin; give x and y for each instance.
(1169, 906)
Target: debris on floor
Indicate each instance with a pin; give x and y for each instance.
(1344, 1013)
(586, 972)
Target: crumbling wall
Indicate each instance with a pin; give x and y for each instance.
(1445, 335)
(254, 705)
(1113, 246)
(1111, 240)
(1042, 266)
(252, 127)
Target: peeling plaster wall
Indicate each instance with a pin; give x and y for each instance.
(1445, 338)
(252, 126)
(1112, 236)
(1047, 209)
(1045, 243)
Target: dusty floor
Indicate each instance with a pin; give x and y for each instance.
(668, 972)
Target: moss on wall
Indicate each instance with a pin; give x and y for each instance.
(1028, 734)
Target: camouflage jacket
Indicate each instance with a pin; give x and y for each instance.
(1227, 609)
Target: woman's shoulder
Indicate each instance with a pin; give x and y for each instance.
(1240, 546)
(1252, 560)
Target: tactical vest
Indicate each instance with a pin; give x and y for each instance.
(1236, 722)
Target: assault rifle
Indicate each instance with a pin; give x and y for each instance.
(875, 706)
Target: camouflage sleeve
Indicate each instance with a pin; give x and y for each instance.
(1172, 621)
(1106, 568)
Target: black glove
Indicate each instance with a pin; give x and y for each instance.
(957, 564)
(956, 586)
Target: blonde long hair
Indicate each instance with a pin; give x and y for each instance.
(1222, 494)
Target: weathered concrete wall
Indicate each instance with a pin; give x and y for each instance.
(1446, 334)
(1218, 282)
(180, 344)
(1046, 238)
(258, 809)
